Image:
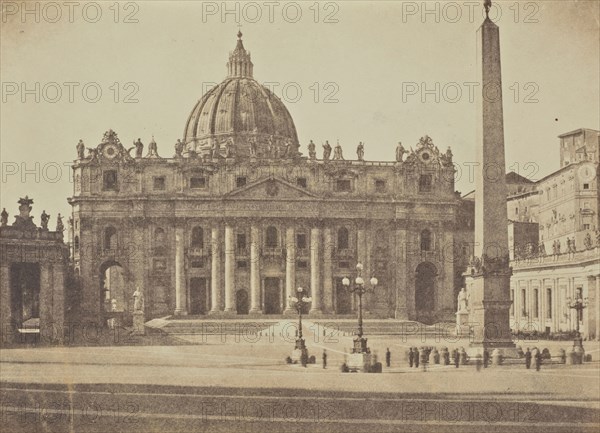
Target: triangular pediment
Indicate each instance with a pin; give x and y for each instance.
(271, 188)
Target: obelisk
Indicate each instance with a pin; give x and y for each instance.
(488, 277)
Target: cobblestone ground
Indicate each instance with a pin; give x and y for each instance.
(242, 383)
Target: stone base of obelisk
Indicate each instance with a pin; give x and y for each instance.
(359, 362)
(138, 323)
(489, 317)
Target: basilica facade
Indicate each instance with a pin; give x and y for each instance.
(234, 218)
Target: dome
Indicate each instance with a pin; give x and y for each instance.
(241, 117)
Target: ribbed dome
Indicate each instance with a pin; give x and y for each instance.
(241, 111)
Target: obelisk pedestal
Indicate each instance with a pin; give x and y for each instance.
(488, 276)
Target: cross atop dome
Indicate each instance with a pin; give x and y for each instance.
(240, 64)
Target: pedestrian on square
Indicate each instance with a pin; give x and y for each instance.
(486, 358)
(388, 357)
(424, 358)
(411, 357)
(324, 358)
(446, 357)
(456, 357)
(478, 362)
(527, 359)
(416, 357)
(538, 361)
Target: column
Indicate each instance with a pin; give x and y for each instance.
(362, 257)
(327, 271)
(46, 306)
(229, 268)
(179, 272)
(597, 312)
(401, 312)
(215, 276)
(290, 267)
(315, 275)
(255, 270)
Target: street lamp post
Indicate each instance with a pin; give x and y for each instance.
(578, 304)
(360, 343)
(299, 303)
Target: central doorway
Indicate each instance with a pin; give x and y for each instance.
(425, 292)
(198, 296)
(272, 296)
(343, 299)
(241, 301)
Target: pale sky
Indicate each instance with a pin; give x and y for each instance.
(363, 57)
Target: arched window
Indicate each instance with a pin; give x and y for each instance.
(342, 238)
(549, 303)
(159, 237)
(536, 304)
(197, 237)
(76, 243)
(426, 240)
(110, 238)
(271, 237)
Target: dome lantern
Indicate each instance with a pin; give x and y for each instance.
(239, 64)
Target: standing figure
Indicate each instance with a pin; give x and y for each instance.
(411, 357)
(80, 150)
(178, 148)
(252, 142)
(59, 224)
(424, 358)
(478, 362)
(326, 151)
(388, 357)
(312, 153)
(463, 300)
(138, 300)
(360, 151)
(215, 150)
(538, 361)
(324, 358)
(400, 151)
(4, 218)
(44, 218)
(527, 359)
(229, 148)
(416, 357)
(139, 148)
(337, 152)
(486, 358)
(456, 357)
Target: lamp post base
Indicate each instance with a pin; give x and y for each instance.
(300, 352)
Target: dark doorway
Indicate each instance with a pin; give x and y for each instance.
(198, 296)
(25, 291)
(241, 301)
(114, 294)
(272, 296)
(425, 291)
(343, 299)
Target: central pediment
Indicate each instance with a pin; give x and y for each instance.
(271, 188)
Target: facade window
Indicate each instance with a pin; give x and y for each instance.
(159, 183)
(301, 182)
(301, 241)
(159, 237)
(516, 211)
(425, 182)
(110, 238)
(586, 186)
(240, 181)
(344, 265)
(197, 264)
(523, 302)
(512, 303)
(549, 303)
(586, 226)
(241, 241)
(271, 237)
(197, 237)
(343, 185)
(536, 304)
(302, 264)
(342, 238)
(242, 264)
(425, 240)
(197, 182)
(76, 242)
(380, 185)
(109, 180)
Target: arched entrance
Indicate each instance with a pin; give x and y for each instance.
(425, 292)
(272, 296)
(24, 292)
(114, 294)
(241, 301)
